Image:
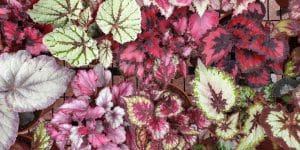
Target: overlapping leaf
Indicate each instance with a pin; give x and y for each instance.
(72, 44)
(29, 84)
(170, 107)
(105, 53)
(281, 127)
(41, 139)
(56, 12)
(254, 133)
(122, 18)
(215, 92)
(139, 110)
(227, 129)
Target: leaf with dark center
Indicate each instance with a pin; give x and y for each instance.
(248, 60)
(227, 129)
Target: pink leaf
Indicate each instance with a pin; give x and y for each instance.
(132, 53)
(122, 90)
(3, 11)
(97, 139)
(158, 128)
(166, 9)
(12, 33)
(103, 75)
(170, 141)
(170, 107)
(294, 7)
(198, 26)
(183, 68)
(104, 99)
(180, 2)
(198, 118)
(117, 135)
(14, 3)
(84, 83)
(109, 146)
(115, 117)
(139, 110)
(94, 113)
(34, 41)
(165, 72)
(201, 6)
(181, 25)
(151, 44)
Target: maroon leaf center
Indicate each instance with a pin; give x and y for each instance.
(217, 101)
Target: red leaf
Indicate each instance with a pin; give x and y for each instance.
(275, 49)
(258, 78)
(217, 44)
(248, 60)
(229, 66)
(12, 34)
(151, 44)
(198, 26)
(133, 53)
(276, 67)
(165, 72)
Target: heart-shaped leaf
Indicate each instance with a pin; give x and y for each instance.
(105, 53)
(281, 127)
(139, 109)
(215, 92)
(57, 12)
(227, 129)
(254, 133)
(8, 125)
(158, 127)
(29, 84)
(201, 6)
(72, 44)
(122, 18)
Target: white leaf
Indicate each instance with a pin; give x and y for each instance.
(56, 12)
(104, 99)
(8, 125)
(72, 44)
(201, 6)
(30, 84)
(105, 53)
(122, 18)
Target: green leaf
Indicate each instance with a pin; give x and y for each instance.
(227, 129)
(56, 12)
(245, 96)
(72, 44)
(290, 67)
(225, 145)
(215, 92)
(286, 27)
(105, 53)
(122, 18)
(41, 140)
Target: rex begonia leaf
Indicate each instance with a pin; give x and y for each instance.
(98, 139)
(281, 127)
(258, 78)
(274, 49)
(85, 83)
(122, 18)
(41, 139)
(104, 99)
(164, 6)
(248, 60)
(217, 44)
(201, 6)
(8, 126)
(198, 26)
(227, 129)
(180, 2)
(115, 117)
(117, 135)
(215, 92)
(72, 44)
(171, 106)
(224, 5)
(158, 127)
(170, 141)
(58, 13)
(139, 109)
(254, 133)
(229, 66)
(294, 7)
(241, 5)
(30, 84)
(105, 53)
(289, 26)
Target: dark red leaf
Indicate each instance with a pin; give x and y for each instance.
(248, 60)
(217, 44)
(229, 66)
(258, 78)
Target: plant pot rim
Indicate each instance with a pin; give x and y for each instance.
(175, 89)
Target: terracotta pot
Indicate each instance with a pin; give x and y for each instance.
(25, 128)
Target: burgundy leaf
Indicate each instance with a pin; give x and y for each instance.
(248, 60)
(258, 78)
(170, 107)
(275, 49)
(217, 44)
(151, 44)
(229, 66)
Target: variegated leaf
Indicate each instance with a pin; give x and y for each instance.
(254, 133)
(41, 139)
(56, 12)
(139, 110)
(215, 92)
(105, 53)
(122, 18)
(72, 44)
(283, 128)
(227, 129)
(29, 84)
